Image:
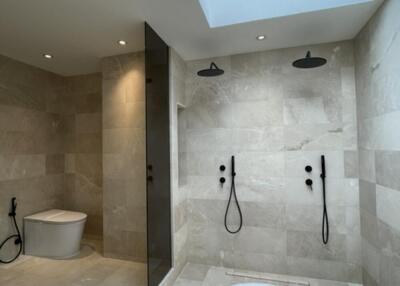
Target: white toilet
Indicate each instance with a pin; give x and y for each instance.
(54, 233)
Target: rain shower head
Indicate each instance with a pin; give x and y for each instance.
(212, 71)
(309, 62)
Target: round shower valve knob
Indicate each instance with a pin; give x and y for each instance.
(309, 182)
(308, 169)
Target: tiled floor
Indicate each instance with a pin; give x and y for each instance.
(203, 275)
(89, 269)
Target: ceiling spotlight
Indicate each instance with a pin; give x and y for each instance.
(47, 56)
(261, 37)
(122, 42)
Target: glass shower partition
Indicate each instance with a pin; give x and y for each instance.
(158, 157)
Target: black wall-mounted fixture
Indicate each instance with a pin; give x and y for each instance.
(308, 169)
(214, 70)
(222, 180)
(222, 168)
(325, 219)
(309, 62)
(233, 193)
(16, 237)
(309, 183)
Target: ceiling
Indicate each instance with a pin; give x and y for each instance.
(78, 33)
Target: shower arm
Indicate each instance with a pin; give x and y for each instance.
(213, 65)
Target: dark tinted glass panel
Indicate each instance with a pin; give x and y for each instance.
(158, 157)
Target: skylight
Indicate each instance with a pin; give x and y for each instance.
(229, 12)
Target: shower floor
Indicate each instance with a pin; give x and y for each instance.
(204, 275)
(89, 269)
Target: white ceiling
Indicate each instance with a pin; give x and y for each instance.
(81, 32)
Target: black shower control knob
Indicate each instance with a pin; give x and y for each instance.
(308, 169)
(222, 168)
(222, 180)
(309, 182)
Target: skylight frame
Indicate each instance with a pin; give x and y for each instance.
(220, 13)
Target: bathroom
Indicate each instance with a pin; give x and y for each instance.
(254, 144)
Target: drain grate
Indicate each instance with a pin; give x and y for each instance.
(289, 282)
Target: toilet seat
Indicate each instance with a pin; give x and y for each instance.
(56, 216)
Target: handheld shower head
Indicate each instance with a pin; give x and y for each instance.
(323, 171)
(233, 166)
(13, 209)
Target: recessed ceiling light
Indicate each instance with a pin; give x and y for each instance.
(48, 56)
(122, 42)
(261, 37)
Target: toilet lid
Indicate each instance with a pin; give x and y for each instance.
(57, 216)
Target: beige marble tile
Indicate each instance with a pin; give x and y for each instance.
(123, 158)
(90, 268)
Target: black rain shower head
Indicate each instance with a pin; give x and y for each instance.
(309, 62)
(212, 71)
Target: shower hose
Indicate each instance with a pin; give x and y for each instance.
(233, 194)
(17, 237)
(325, 219)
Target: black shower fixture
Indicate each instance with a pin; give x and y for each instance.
(214, 70)
(16, 238)
(233, 195)
(325, 219)
(309, 183)
(309, 62)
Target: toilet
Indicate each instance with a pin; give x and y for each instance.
(54, 233)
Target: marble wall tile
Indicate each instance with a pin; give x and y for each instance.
(22, 166)
(369, 227)
(308, 245)
(367, 165)
(88, 122)
(306, 110)
(387, 166)
(84, 137)
(275, 120)
(350, 136)
(368, 196)
(377, 132)
(124, 174)
(295, 162)
(255, 262)
(31, 148)
(55, 164)
(38, 129)
(378, 105)
(308, 218)
(387, 206)
(194, 271)
(208, 243)
(297, 192)
(354, 248)
(370, 259)
(351, 164)
(261, 241)
(324, 269)
(313, 137)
